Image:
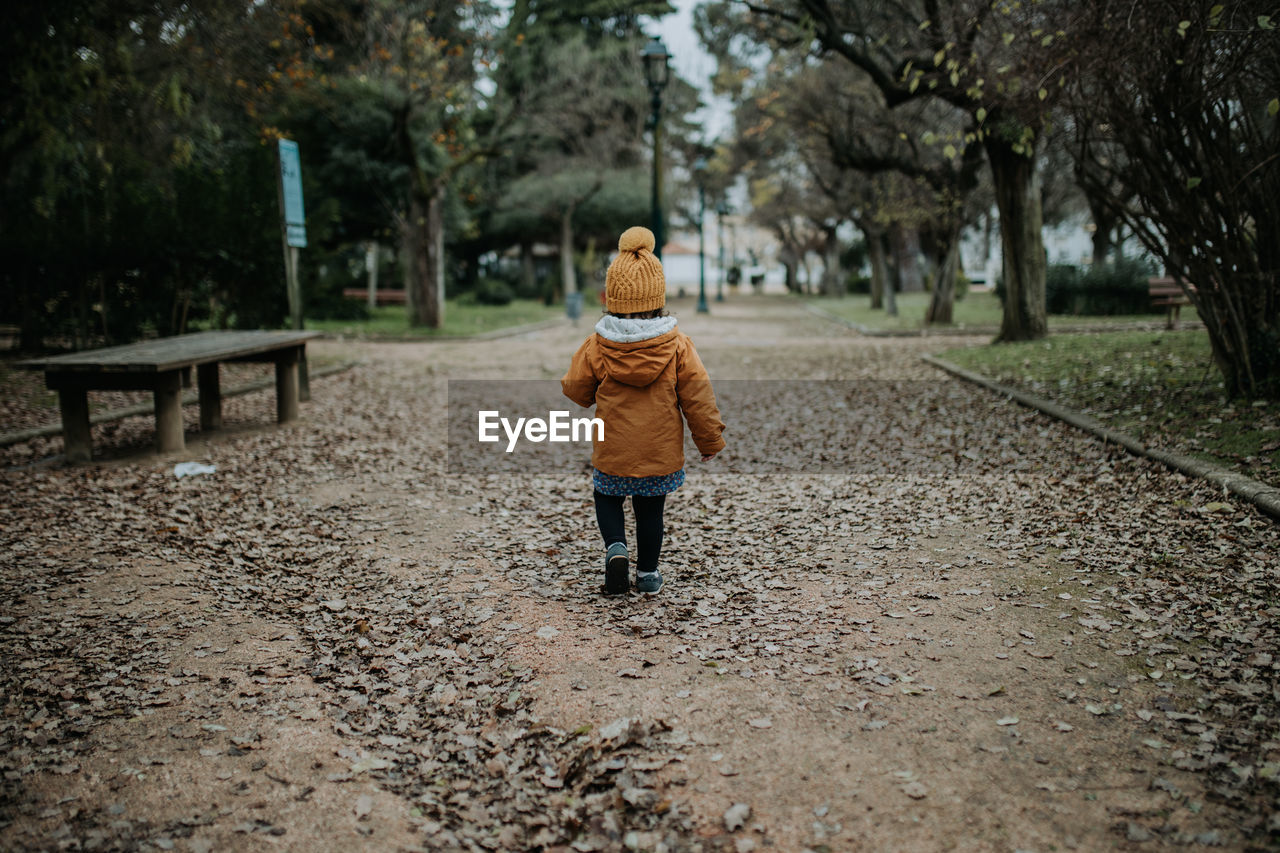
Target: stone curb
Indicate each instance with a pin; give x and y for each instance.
(988, 331)
(493, 335)
(188, 398)
(1264, 497)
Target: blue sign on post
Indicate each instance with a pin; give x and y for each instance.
(295, 220)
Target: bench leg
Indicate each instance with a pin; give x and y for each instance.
(287, 386)
(76, 440)
(168, 395)
(1175, 313)
(304, 380)
(210, 397)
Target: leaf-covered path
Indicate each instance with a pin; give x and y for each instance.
(944, 622)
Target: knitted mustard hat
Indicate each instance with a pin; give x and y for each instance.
(634, 282)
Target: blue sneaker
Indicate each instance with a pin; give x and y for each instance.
(648, 581)
(615, 569)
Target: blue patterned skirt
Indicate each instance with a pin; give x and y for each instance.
(646, 487)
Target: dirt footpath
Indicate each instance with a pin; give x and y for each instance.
(900, 614)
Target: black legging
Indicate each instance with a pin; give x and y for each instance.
(648, 526)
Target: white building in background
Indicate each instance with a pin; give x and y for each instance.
(1069, 242)
(755, 250)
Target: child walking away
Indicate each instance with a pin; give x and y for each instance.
(642, 375)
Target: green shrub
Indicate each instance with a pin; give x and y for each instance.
(526, 291)
(491, 291)
(1061, 286)
(854, 256)
(1111, 289)
(859, 284)
(1118, 288)
(510, 275)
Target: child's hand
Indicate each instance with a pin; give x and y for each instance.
(707, 457)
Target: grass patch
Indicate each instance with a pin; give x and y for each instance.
(1161, 387)
(978, 310)
(392, 321)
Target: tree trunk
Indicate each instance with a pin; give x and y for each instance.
(879, 268)
(930, 249)
(986, 239)
(1101, 245)
(437, 229)
(947, 249)
(102, 309)
(371, 271)
(1104, 226)
(568, 274)
(31, 327)
(422, 232)
(1242, 317)
(423, 237)
(890, 279)
(832, 279)
(789, 268)
(528, 277)
(906, 250)
(890, 297)
(80, 338)
(1017, 188)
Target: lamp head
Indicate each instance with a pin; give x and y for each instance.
(656, 69)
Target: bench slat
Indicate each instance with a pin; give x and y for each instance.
(173, 353)
(1165, 292)
(384, 296)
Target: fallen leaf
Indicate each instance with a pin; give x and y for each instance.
(736, 816)
(364, 805)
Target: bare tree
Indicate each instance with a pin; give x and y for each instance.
(924, 141)
(984, 58)
(1176, 106)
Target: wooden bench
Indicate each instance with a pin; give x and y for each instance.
(160, 366)
(1168, 294)
(385, 296)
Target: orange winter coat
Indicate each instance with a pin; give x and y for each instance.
(640, 390)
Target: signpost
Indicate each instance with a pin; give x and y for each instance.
(293, 223)
(293, 229)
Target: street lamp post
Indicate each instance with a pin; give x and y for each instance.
(656, 73)
(722, 210)
(700, 174)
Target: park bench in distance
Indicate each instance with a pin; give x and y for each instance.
(385, 295)
(160, 366)
(1166, 293)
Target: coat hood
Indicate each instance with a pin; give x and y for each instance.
(635, 352)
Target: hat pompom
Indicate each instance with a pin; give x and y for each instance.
(636, 238)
